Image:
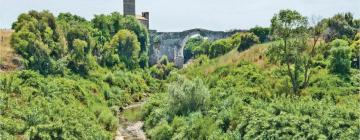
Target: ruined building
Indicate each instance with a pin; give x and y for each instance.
(130, 9)
(170, 44)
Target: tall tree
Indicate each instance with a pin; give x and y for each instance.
(109, 25)
(81, 61)
(39, 41)
(127, 46)
(291, 28)
(341, 26)
(316, 33)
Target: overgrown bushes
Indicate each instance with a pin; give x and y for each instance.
(310, 92)
(162, 69)
(244, 41)
(35, 107)
(340, 61)
(243, 104)
(262, 32)
(127, 47)
(198, 46)
(79, 75)
(52, 44)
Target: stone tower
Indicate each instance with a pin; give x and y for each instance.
(129, 7)
(129, 10)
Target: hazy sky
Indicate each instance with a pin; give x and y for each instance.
(177, 15)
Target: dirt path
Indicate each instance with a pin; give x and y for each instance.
(130, 128)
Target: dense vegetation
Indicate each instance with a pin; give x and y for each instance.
(308, 88)
(302, 82)
(198, 46)
(78, 75)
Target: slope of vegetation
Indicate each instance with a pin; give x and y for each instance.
(78, 75)
(205, 65)
(302, 82)
(8, 58)
(302, 85)
(36, 107)
(197, 46)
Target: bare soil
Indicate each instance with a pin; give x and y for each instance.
(130, 126)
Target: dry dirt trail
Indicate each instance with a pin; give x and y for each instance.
(130, 129)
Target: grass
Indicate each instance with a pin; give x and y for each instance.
(255, 54)
(7, 54)
(133, 114)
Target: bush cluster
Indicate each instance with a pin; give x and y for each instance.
(198, 46)
(54, 45)
(242, 102)
(38, 107)
(78, 75)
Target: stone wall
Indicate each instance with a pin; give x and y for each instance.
(171, 44)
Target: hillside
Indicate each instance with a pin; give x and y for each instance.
(91, 79)
(8, 59)
(241, 95)
(256, 55)
(73, 84)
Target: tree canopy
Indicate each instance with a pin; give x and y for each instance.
(46, 42)
(125, 44)
(67, 89)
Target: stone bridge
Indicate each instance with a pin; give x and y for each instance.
(171, 44)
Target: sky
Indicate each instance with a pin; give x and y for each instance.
(179, 15)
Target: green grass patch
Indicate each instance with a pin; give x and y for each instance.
(133, 114)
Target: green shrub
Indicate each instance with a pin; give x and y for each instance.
(52, 108)
(262, 32)
(244, 41)
(80, 61)
(196, 46)
(41, 48)
(220, 47)
(245, 104)
(83, 78)
(186, 96)
(109, 25)
(340, 61)
(342, 26)
(125, 44)
(162, 69)
(161, 132)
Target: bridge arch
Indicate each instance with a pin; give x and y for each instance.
(179, 62)
(171, 44)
